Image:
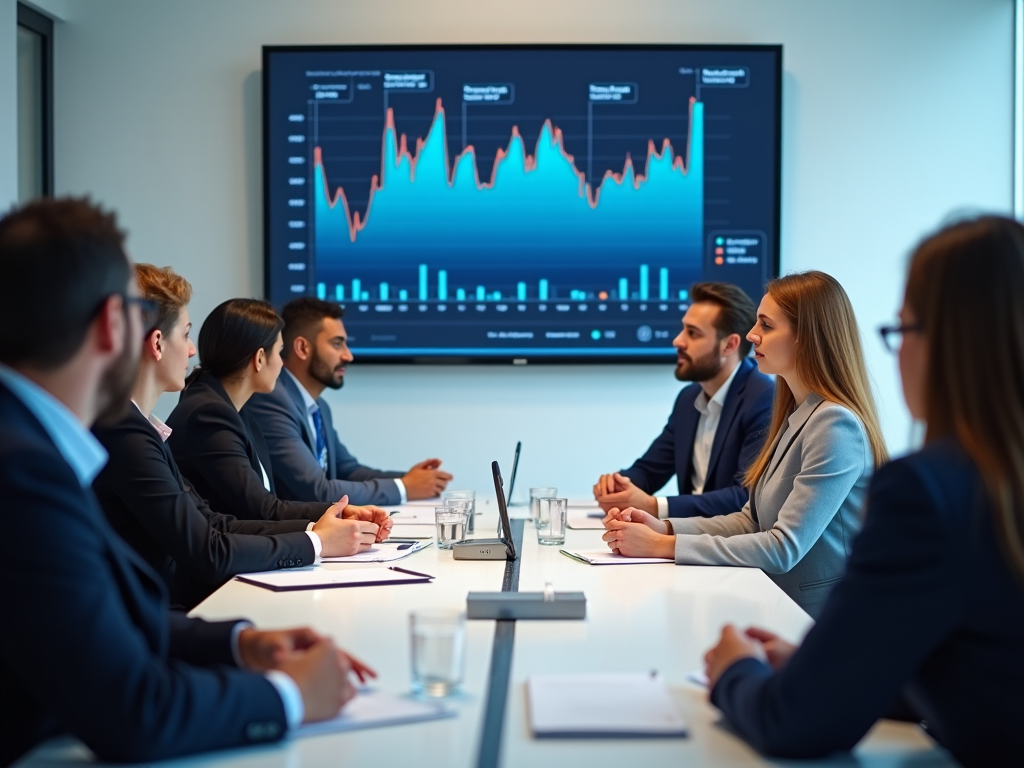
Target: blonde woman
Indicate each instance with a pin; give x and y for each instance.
(808, 484)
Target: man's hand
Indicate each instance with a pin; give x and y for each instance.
(370, 514)
(322, 674)
(260, 651)
(732, 647)
(617, 490)
(425, 480)
(637, 540)
(776, 649)
(340, 537)
(634, 515)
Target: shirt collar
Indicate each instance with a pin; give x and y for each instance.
(80, 449)
(702, 401)
(161, 429)
(306, 397)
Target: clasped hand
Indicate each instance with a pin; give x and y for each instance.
(346, 529)
(635, 533)
(754, 643)
(618, 491)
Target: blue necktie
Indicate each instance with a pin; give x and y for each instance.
(321, 436)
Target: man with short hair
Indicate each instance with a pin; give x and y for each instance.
(310, 462)
(718, 423)
(90, 647)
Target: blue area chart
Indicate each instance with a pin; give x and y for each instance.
(535, 216)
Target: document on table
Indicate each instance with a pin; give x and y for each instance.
(602, 705)
(373, 709)
(583, 504)
(408, 514)
(384, 552)
(579, 523)
(318, 577)
(607, 557)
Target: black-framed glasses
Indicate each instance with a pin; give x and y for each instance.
(149, 309)
(892, 335)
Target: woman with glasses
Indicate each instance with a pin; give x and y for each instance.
(929, 618)
(807, 485)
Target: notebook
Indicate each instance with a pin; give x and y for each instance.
(384, 552)
(373, 709)
(611, 705)
(318, 577)
(607, 557)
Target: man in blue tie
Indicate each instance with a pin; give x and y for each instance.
(718, 423)
(310, 462)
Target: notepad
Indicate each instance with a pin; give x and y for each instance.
(374, 709)
(607, 557)
(384, 552)
(317, 577)
(579, 523)
(602, 706)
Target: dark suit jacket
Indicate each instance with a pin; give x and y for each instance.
(89, 646)
(928, 608)
(741, 431)
(282, 419)
(154, 509)
(220, 451)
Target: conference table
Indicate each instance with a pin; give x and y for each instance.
(640, 618)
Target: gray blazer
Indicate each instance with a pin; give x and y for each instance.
(805, 510)
(281, 416)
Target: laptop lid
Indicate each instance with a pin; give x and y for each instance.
(506, 526)
(512, 481)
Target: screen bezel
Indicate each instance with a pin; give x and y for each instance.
(506, 524)
(504, 358)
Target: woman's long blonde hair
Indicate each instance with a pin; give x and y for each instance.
(829, 359)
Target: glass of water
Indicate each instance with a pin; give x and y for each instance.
(552, 529)
(469, 496)
(536, 494)
(451, 526)
(438, 651)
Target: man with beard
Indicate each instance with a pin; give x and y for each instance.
(309, 462)
(718, 423)
(90, 647)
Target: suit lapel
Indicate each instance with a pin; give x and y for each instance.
(299, 407)
(684, 444)
(325, 414)
(794, 427)
(730, 410)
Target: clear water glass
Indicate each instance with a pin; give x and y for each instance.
(469, 496)
(552, 530)
(438, 641)
(450, 526)
(536, 494)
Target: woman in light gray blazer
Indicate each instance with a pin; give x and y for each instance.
(809, 482)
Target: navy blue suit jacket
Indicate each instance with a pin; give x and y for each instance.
(928, 614)
(89, 646)
(281, 416)
(741, 432)
(220, 451)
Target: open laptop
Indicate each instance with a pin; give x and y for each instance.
(512, 480)
(502, 548)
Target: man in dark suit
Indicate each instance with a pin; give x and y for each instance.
(91, 648)
(310, 462)
(718, 424)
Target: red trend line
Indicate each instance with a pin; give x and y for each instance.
(356, 223)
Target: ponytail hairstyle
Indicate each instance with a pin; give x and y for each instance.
(234, 332)
(975, 368)
(169, 290)
(829, 359)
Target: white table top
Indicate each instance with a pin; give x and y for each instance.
(639, 618)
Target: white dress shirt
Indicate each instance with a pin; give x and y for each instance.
(707, 425)
(311, 405)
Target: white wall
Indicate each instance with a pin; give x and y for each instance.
(895, 114)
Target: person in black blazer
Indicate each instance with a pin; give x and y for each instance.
(221, 451)
(718, 423)
(154, 509)
(929, 619)
(93, 650)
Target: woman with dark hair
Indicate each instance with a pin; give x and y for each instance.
(155, 510)
(929, 618)
(222, 452)
(807, 485)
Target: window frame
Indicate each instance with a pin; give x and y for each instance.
(42, 25)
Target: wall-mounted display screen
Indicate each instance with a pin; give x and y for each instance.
(496, 203)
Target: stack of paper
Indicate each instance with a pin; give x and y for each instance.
(372, 709)
(384, 552)
(605, 705)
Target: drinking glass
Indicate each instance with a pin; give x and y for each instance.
(451, 526)
(438, 641)
(552, 529)
(535, 495)
(469, 496)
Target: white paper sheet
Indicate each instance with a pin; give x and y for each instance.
(580, 706)
(317, 576)
(580, 523)
(373, 709)
(384, 552)
(607, 557)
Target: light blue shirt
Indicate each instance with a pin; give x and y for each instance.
(76, 444)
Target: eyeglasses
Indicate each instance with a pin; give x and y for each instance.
(892, 335)
(149, 309)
